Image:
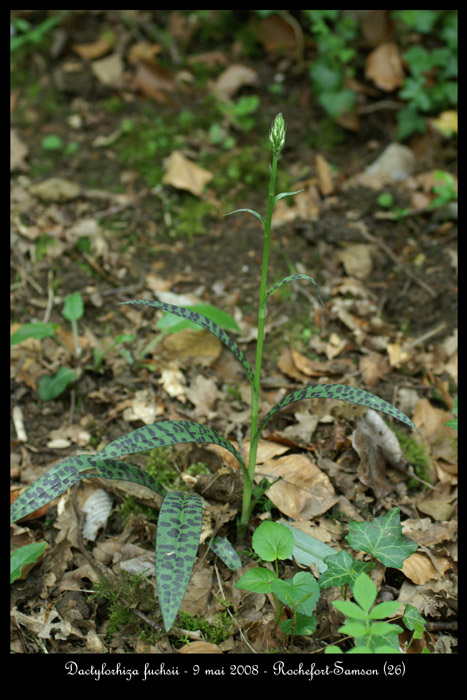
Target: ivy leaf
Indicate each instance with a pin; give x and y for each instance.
(344, 392)
(383, 539)
(68, 472)
(177, 540)
(166, 432)
(342, 569)
(205, 323)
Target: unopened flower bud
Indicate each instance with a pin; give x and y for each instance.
(277, 134)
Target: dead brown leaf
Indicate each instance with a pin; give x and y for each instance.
(200, 648)
(276, 35)
(109, 70)
(95, 49)
(153, 80)
(377, 26)
(183, 174)
(373, 368)
(189, 345)
(384, 67)
(18, 153)
(326, 184)
(420, 569)
(304, 491)
(232, 79)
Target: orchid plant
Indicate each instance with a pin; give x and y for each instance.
(179, 523)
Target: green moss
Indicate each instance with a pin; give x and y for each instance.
(415, 454)
(131, 507)
(126, 593)
(213, 633)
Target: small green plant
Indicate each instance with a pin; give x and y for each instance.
(273, 542)
(24, 558)
(445, 189)
(240, 113)
(453, 422)
(382, 539)
(329, 72)
(386, 200)
(431, 83)
(26, 35)
(180, 517)
(124, 594)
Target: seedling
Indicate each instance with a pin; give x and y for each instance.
(272, 542)
(179, 524)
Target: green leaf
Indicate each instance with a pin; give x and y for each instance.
(304, 625)
(177, 540)
(166, 432)
(286, 194)
(52, 142)
(301, 592)
(364, 591)
(68, 472)
(414, 621)
(250, 211)
(349, 609)
(273, 541)
(258, 580)
(308, 550)
(387, 608)
(73, 308)
(383, 539)
(290, 279)
(205, 323)
(51, 387)
(23, 559)
(222, 318)
(337, 391)
(342, 569)
(225, 551)
(36, 329)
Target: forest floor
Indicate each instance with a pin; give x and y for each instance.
(125, 219)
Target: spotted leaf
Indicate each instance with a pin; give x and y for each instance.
(177, 540)
(68, 472)
(346, 393)
(166, 432)
(205, 323)
(225, 551)
(290, 279)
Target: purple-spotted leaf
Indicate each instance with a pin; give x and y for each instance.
(225, 551)
(166, 432)
(346, 393)
(205, 323)
(177, 540)
(68, 472)
(290, 279)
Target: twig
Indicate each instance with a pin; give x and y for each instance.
(396, 260)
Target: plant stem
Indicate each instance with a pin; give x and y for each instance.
(255, 391)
